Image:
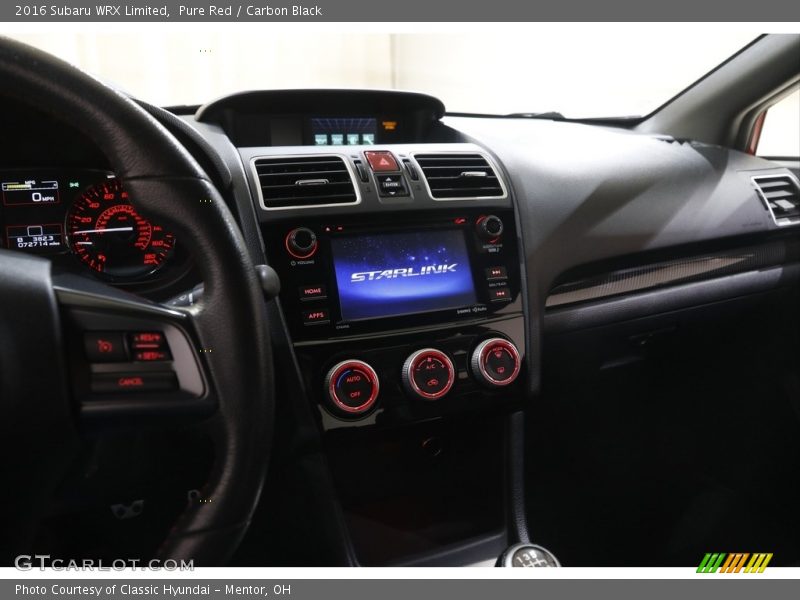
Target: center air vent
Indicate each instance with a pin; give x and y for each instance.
(459, 176)
(300, 181)
(781, 194)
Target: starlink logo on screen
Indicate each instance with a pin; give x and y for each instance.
(387, 275)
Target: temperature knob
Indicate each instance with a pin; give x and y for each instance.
(428, 374)
(352, 387)
(495, 362)
(301, 242)
(489, 228)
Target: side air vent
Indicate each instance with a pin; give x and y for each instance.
(459, 176)
(781, 194)
(301, 181)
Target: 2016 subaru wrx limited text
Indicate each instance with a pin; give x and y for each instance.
(342, 327)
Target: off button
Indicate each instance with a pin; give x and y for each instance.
(352, 386)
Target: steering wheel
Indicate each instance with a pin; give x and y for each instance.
(221, 362)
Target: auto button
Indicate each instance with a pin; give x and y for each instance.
(352, 387)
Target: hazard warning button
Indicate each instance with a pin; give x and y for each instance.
(381, 161)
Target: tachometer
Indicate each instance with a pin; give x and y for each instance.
(108, 235)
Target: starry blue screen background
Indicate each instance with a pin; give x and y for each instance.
(402, 295)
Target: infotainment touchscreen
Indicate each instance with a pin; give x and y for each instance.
(394, 274)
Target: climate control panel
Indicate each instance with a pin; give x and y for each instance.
(409, 382)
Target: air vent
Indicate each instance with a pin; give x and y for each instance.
(458, 176)
(781, 194)
(301, 181)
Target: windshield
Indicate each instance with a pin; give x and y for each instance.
(581, 74)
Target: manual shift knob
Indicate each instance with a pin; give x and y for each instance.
(527, 555)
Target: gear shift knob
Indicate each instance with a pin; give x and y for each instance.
(527, 555)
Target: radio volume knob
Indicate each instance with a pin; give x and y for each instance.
(301, 242)
(489, 228)
(495, 363)
(428, 374)
(352, 387)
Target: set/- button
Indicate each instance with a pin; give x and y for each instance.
(319, 316)
(313, 292)
(149, 346)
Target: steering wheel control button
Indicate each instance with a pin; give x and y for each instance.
(529, 556)
(352, 386)
(500, 294)
(131, 383)
(496, 274)
(319, 316)
(313, 292)
(105, 346)
(149, 346)
(495, 362)
(381, 161)
(489, 228)
(428, 374)
(301, 243)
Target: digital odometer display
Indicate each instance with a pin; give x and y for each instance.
(393, 274)
(35, 237)
(32, 214)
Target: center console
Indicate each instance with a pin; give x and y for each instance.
(403, 318)
(402, 304)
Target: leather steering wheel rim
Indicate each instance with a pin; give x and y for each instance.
(166, 184)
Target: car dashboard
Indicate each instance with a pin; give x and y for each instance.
(426, 264)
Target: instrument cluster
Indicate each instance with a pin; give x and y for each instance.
(84, 216)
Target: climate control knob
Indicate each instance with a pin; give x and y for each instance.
(301, 242)
(489, 228)
(428, 374)
(352, 387)
(495, 362)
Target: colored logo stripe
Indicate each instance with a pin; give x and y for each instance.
(734, 562)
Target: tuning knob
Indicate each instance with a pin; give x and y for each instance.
(352, 387)
(495, 362)
(301, 243)
(428, 374)
(489, 228)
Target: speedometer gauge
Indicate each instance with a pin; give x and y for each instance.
(108, 235)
